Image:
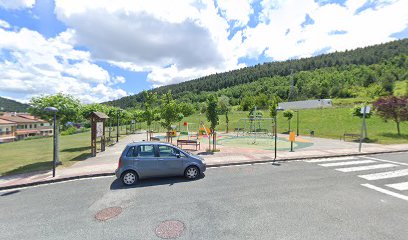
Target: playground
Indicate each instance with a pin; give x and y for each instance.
(254, 134)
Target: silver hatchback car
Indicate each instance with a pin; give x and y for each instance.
(156, 159)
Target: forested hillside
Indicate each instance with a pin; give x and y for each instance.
(8, 105)
(338, 74)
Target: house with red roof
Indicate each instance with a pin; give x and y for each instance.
(17, 126)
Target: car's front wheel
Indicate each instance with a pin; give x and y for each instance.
(129, 178)
(192, 172)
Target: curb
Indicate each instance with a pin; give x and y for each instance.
(300, 158)
(208, 166)
(56, 180)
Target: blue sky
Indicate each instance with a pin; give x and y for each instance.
(104, 50)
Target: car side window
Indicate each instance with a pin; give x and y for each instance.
(144, 151)
(167, 151)
(131, 152)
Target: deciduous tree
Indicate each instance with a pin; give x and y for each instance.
(289, 115)
(212, 111)
(69, 108)
(394, 108)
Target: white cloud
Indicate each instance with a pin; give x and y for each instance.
(281, 36)
(238, 10)
(16, 4)
(34, 65)
(118, 79)
(4, 24)
(153, 35)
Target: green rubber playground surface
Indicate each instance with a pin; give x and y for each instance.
(264, 143)
(261, 142)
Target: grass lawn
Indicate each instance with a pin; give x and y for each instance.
(36, 154)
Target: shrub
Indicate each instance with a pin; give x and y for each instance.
(69, 131)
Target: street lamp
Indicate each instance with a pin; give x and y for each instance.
(117, 125)
(56, 160)
(276, 129)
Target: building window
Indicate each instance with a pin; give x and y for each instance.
(35, 125)
(31, 126)
(42, 124)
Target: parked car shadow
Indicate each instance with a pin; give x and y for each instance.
(118, 185)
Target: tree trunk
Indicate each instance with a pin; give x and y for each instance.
(289, 125)
(398, 128)
(58, 162)
(226, 119)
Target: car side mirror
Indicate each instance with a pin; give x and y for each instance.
(178, 155)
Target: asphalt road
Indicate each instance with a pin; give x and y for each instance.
(290, 200)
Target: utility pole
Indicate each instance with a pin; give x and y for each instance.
(364, 111)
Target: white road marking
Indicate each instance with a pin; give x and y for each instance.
(346, 163)
(394, 194)
(384, 175)
(388, 161)
(369, 167)
(330, 159)
(399, 186)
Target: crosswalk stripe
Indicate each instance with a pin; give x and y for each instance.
(399, 186)
(336, 164)
(330, 159)
(382, 190)
(363, 168)
(382, 160)
(384, 175)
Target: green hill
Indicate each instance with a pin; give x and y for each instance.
(329, 75)
(8, 105)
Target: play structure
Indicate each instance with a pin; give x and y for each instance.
(186, 138)
(255, 126)
(203, 130)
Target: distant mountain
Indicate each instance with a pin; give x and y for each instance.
(195, 90)
(8, 105)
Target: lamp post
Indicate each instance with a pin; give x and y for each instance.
(297, 123)
(55, 160)
(117, 125)
(276, 130)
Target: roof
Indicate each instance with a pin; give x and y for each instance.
(18, 119)
(30, 117)
(2, 121)
(100, 115)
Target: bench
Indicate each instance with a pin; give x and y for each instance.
(155, 139)
(351, 135)
(188, 142)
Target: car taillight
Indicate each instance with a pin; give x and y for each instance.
(120, 162)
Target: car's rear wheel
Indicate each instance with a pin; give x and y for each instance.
(129, 178)
(191, 172)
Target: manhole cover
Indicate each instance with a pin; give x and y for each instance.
(170, 229)
(108, 213)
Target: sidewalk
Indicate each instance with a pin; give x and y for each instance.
(106, 162)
